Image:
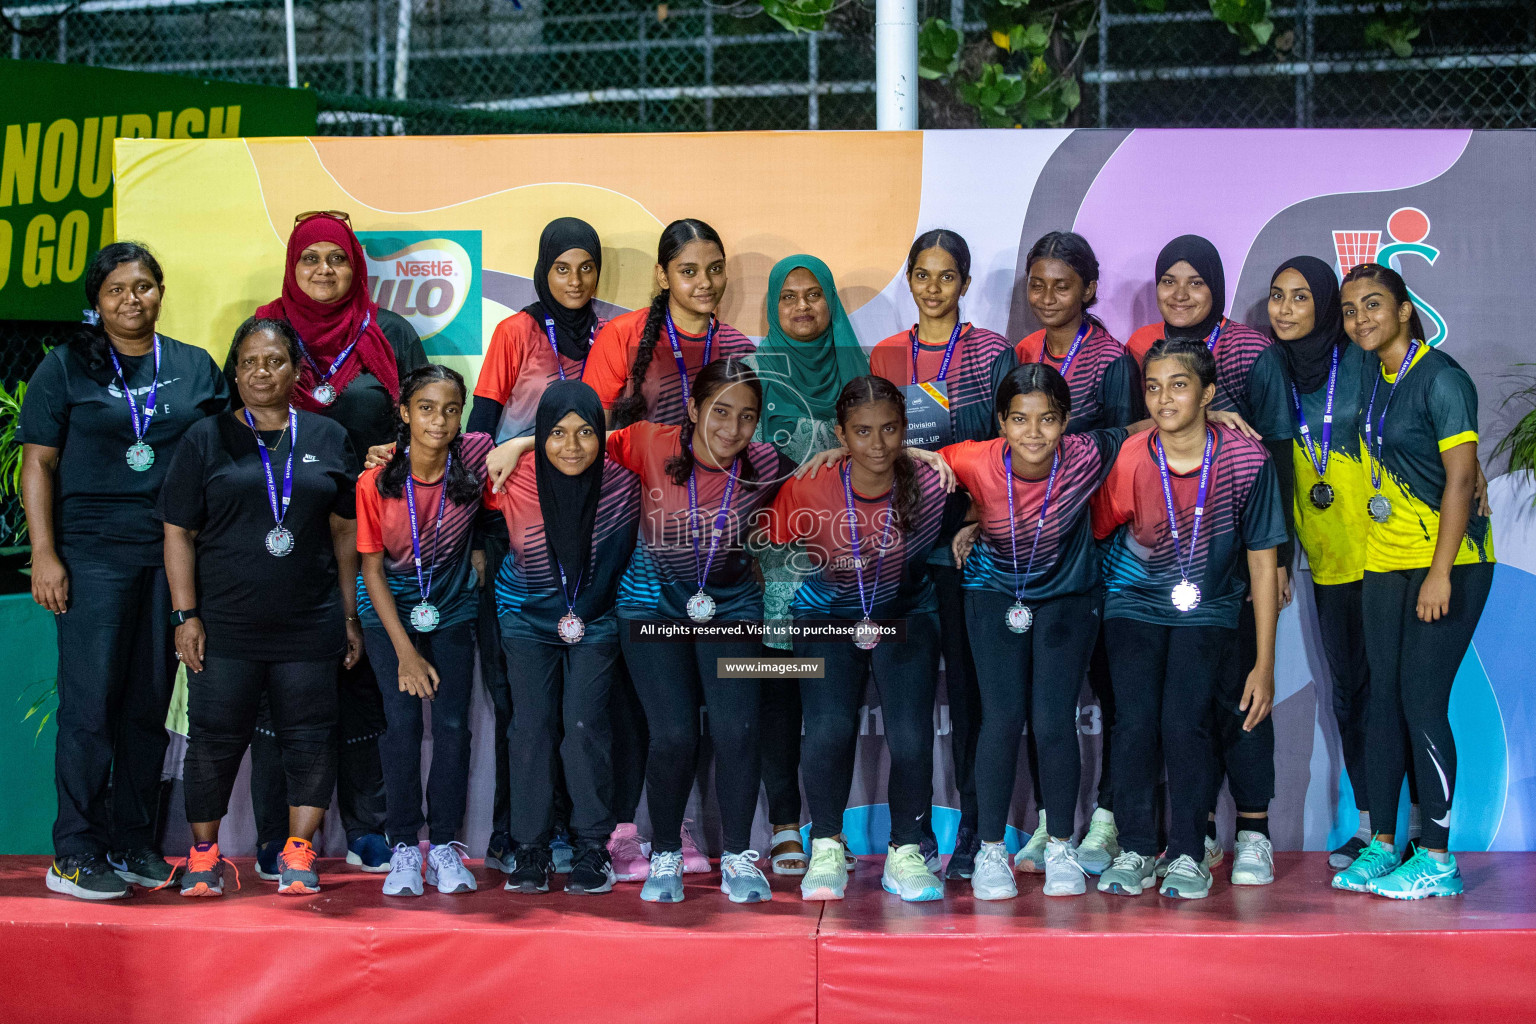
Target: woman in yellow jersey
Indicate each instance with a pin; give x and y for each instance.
(1428, 569)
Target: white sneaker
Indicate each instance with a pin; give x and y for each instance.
(742, 880)
(1101, 845)
(1214, 854)
(1129, 875)
(404, 878)
(992, 878)
(446, 870)
(1064, 876)
(1254, 863)
(827, 876)
(1032, 857)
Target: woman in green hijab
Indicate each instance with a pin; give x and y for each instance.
(810, 352)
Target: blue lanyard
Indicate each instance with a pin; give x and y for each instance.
(424, 584)
(867, 607)
(322, 378)
(677, 350)
(549, 329)
(1319, 464)
(140, 425)
(1215, 335)
(570, 596)
(1077, 344)
(1381, 425)
(279, 513)
(720, 519)
(1173, 521)
(949, 352)
(1045, 503)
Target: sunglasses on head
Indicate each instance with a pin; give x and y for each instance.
(340, 215)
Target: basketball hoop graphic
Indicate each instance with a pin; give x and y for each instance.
(1406, 230)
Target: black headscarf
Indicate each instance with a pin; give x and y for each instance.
(1202, 255)
(1310, 356)
(573, 327)
(569, 503)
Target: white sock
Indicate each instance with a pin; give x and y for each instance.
(998, 843)
(1415, 822)
(1363, 833)
(1439, 858)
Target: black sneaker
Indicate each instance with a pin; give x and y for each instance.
(86, 876)
(591, 870)
(266, 860)
(962, 863)
(532, 872)
(929, 848)
(1345, 855)
(143, 866)
(499, 853)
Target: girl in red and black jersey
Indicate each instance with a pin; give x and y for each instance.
(633, 379)
(864, 533)
(948, 370)
(416, 534)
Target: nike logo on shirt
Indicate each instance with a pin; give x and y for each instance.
(310, 458)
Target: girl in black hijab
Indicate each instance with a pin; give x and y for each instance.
(571, 515)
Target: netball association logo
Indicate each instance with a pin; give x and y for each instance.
(432, 279)
(1407, 229)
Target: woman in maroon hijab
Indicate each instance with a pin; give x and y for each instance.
(353, 357)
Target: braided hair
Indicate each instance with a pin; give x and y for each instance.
(715, 377)
(463, 485)
(631, 407)
(872, 390)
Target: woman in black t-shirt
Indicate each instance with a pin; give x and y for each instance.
(97, 426)
(261, 553)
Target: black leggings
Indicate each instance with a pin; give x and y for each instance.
(1341, 631)
(451, 651)
(1164, 679)
(907, 676)
(560, 732)
(1104, 693)
(223, 701)
(1244, 758)
(960, 686)
(780, 741)
(1413, 665)
(676, 681)
(1037, 675)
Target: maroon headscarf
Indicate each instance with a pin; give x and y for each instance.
(327, 329)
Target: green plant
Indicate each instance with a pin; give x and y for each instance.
(1520, 443)
(43, 706)
(1394, 30)
(10, 450)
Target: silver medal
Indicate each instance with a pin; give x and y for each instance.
(324, 393)
(701, 607)
(866, 635)
(140, 456)
(571, 628)
(1186, 596)
(1020, 617)
(1379, 507)
(279, 541)
(424, 617)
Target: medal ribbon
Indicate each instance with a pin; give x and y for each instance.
(1212, 338)
(1173, 521)
(278, 513)
(1077, 344)
(140, 426)
(720, 519)
(677, 349)
(570, 598)
(949, 352)
(424, 584)
(885, 541)
(1045, 504)
(322, 378)
(549, 331)
(1319, 464)
(1381, 424)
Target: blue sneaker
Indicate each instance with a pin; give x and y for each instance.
(561, 854)
(266, 860)
(1419, 877)
(665, 882)
(742, 880)
(1374, 861)
(370, 853)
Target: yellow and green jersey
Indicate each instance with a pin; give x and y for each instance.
(1433, 409)
(1333, 537)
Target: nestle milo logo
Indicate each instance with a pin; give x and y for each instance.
(433, 280)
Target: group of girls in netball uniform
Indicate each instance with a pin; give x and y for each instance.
(635, 505)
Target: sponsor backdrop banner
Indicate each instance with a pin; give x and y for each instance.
(451, 227)
(56, 193)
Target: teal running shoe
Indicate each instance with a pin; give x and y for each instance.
(1374, 861)
(1418, 878)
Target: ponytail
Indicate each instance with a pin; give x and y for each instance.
(631, 408)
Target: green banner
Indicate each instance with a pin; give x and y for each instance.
(59, 121)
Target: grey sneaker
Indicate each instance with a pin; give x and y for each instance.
(446, 870)
(1101, 844)
(86, 877)
(1214, 855)
(1187, 879)
(500, 853)
(1032, 857)
(1064, 876)
(963, 861)
(404, 878)
(928, 846)
(665, 882)
(992, 878)
(1128, 874)
(143, 866)
(741, 880)
(1254, 860)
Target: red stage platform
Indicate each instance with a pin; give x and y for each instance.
(1294, 951)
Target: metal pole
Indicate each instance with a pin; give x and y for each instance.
(1103, 63)
(812, 78)
(896, 65)
(709, 67)
(402, 49)
(293, 52)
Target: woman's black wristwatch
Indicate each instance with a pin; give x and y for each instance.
(181, 617)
